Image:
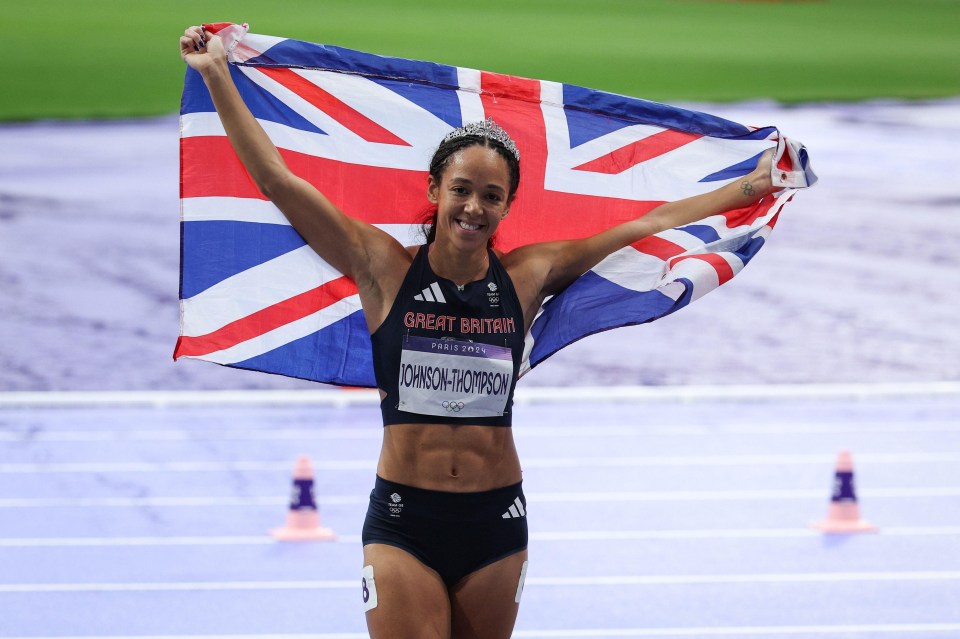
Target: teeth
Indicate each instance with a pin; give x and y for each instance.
(469, 227)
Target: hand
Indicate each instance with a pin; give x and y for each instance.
(759, 183)
(201, 49)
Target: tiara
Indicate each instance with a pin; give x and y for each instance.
(485, 129)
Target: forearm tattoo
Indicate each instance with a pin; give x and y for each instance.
(746, 187)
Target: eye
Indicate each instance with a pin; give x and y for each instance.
(494, 197)
(459, 190)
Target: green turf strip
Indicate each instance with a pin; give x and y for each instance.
(119, 58)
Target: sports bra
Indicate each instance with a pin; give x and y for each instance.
(446, 353)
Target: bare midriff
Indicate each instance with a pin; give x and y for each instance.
(449, 457)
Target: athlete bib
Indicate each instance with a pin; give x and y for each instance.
(460, 378)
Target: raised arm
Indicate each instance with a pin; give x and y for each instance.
(540, 270)
(367, 255)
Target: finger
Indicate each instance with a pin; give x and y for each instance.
(195, 33)
(187, 45)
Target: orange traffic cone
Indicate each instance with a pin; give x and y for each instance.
(843, 516)
(303, 518)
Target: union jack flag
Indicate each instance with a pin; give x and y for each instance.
(362, 129)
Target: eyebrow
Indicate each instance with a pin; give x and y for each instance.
(463, 180)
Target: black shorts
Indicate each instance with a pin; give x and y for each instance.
(453, 533)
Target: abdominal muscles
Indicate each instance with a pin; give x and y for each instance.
(449, 457)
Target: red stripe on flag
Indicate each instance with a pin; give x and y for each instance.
(266, 320)
(639, 151)
(658, 247)
(785, 163)
(332, 106)
(723, 268)
(773, 220)
(538, 214)
(210, 167)
(494, 86)
(748, 215)
(376, 195)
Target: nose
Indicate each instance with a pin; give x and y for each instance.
(472, 205)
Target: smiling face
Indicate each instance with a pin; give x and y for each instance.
(472, 196)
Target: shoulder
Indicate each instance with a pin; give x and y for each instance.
(529, 256)
(528, 267)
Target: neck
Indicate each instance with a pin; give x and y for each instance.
(459, 267)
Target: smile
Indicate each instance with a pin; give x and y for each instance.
(468, 227)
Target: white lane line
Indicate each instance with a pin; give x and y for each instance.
(114, 542)
(712, 631)
(195, 586)
(182, 466)
(728, 533)
(769, 578)
(366, 465)
(527, 432)
(272, 635)
(563, 535)
(691, 461)
(545, 582)
(164, 399)
(532, 394)
(738, 631)
(739, 495)
(197, 435)
(564, 497)
(167, 502)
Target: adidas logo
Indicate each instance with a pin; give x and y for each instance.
(431, 294)
(515, 510)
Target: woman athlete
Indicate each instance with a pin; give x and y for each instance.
(445, 538)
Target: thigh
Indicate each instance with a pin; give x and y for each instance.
(484, 604)
(412, 601)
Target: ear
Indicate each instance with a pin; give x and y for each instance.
(433, 190)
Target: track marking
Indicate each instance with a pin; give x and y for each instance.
(734, 533)
(182, 466)
(174, 435)
(769, 578)
(565, 497)
(167, 502)
(528, 432)
(537, 582)
(564, 394)
(738, 495)
(713, 631)
(365, 465)
(564, 535)
(738, 631)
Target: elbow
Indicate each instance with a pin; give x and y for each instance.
(650, 224)
(273, 183)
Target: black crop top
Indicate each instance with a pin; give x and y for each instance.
(447, 355)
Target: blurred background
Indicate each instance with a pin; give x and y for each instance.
(856, 285)
(133, 515)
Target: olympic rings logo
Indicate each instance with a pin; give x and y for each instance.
(452, 407)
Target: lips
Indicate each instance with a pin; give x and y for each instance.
(468, 227)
